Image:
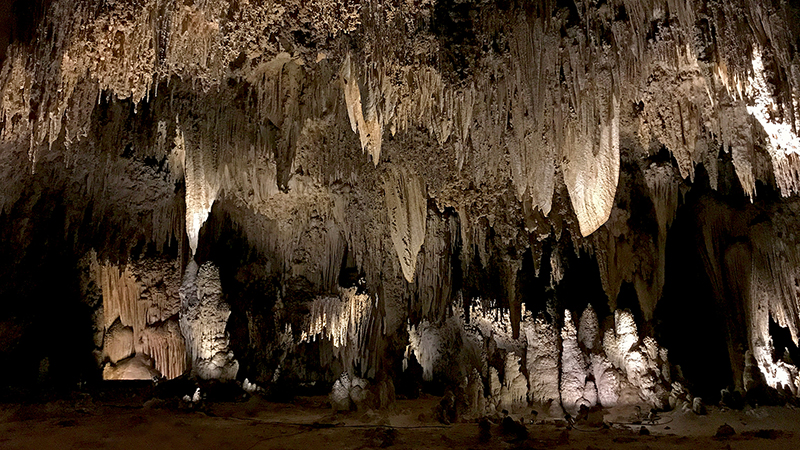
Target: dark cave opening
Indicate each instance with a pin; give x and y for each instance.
(782, 342)
(689, 322)
(628, 300)
(581, 286)
(45, 332)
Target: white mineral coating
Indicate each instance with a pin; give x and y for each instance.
(618, 342)
(543, 361)
(438, 348)
(203, 319)
(636, 372)
(514, 390)
(772, 270)
(782, 140)
(250, 388)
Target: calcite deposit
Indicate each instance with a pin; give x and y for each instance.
(511, 203)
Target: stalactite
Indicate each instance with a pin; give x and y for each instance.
(783, 143)
(363, 117)
(138, 301)
(664, 189)
(537, 134)
(406, 205)
(121, 295)
(341, 319)
(425, 343)
(773, 295)
(591, 157)
(165, 344)
(201, 188)
(349, 323)
(433, 282)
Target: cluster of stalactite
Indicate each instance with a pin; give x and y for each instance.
(545, 132)
(139, 319)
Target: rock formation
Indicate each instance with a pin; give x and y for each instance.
(383, 185)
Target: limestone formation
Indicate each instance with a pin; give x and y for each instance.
(443, 179)
(203, 317)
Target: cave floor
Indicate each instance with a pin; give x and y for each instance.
(307, 423)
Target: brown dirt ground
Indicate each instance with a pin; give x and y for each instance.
(308, 423)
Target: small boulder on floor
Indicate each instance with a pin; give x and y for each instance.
(724, 431)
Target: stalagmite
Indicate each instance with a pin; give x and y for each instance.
(573, 368)
(543, 360)
(606, 380)
(589, 329)
(514, 391)
(203, 318)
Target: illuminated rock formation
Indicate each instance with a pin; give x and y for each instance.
(140, 305)
(376, 180)
(203, 316)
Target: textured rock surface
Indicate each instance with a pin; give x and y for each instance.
(139, 312)
(381, 179)
(203, 317)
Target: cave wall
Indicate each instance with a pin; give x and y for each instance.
(359, 172)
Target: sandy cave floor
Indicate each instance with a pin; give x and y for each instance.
(308, 423)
